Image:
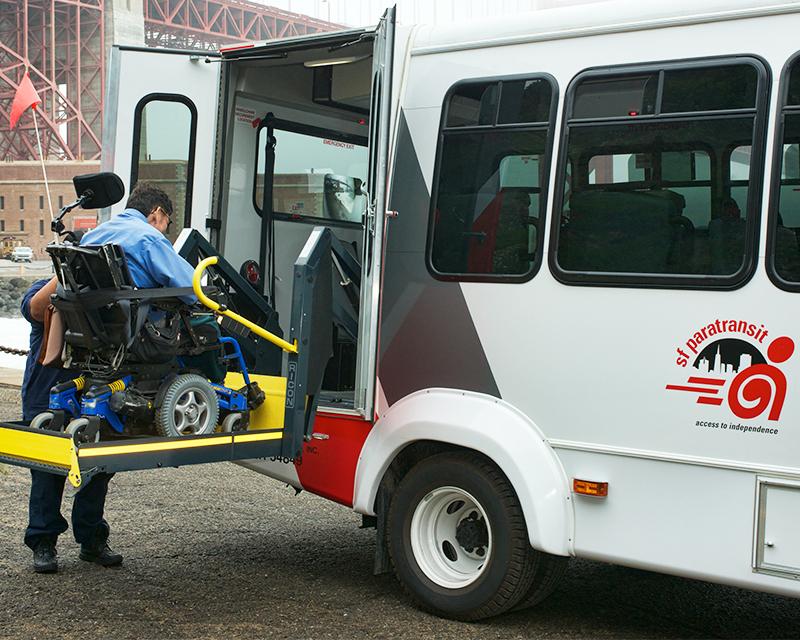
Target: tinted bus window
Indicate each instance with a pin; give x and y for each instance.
(491, 174)
(784, 248)
(659, 176)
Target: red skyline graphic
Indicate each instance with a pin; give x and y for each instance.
(754, 387)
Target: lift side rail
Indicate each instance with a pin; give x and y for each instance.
(312, 330)
(57, 453)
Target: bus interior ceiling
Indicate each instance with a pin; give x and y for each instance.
(319, 101)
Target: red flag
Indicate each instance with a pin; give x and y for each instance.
(24, 98)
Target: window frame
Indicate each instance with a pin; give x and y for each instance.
(544, 190)
(317, 132)
(756, 179)
(775, 186)
(137, 131)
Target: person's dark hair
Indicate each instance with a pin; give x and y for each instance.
(146, 196)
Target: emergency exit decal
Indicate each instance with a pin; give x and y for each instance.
(736, 364)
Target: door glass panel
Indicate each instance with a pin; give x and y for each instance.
(163, 154)
(314, 177)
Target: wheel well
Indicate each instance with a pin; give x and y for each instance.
(417, 451)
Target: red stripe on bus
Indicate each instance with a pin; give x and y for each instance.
(677, 387)
(707, 381)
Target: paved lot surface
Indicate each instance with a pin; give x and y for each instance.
(219, 552)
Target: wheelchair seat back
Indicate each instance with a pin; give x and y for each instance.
(91, 296)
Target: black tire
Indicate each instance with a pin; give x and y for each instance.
(509, 569)
(42, 420)
(179, 389)
(547, 573)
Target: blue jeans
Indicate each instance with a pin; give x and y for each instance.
(44, 511)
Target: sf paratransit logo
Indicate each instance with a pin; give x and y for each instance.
(736, 364)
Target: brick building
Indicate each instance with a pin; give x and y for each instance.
(24, 213)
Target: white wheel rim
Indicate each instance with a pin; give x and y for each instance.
(445, 525)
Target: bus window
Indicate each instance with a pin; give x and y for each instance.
(659, 185)
(163, 151)
(491, 173)
(784, 249)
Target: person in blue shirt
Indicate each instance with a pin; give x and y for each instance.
(152, 262)
(45, 522)
(139, 230)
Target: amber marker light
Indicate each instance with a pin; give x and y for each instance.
(589, 488)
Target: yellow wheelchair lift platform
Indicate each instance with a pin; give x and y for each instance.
(57, 452)
(278, 427)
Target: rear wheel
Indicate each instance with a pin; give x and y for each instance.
(188, 407)
(457, 538)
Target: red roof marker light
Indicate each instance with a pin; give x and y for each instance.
(236, 47)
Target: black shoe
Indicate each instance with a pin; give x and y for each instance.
(45, 557)
(100, 554)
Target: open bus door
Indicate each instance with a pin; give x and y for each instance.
(160, 126)
(380, 119)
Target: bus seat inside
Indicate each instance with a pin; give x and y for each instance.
(603, 222)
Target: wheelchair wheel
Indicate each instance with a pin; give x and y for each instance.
(232, 422)
(77, 429)
(188, 407)
(42, 420)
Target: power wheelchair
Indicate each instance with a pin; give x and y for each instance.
(145, 359)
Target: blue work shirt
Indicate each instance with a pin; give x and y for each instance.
(38, 380)
(152, 260)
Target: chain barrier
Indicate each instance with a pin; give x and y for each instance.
(13, 351)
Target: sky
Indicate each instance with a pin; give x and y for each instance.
(359, 13)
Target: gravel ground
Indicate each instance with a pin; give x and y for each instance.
(217, 551)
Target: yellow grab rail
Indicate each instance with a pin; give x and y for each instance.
(217, 308)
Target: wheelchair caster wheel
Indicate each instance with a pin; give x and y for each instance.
(77, 429)
(232, 422)
(42, 420)
(188, 407)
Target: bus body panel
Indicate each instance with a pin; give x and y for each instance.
(596, 368)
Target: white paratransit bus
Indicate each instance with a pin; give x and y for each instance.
(573, 330)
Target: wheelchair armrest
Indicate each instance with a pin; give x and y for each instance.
(104, 296)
